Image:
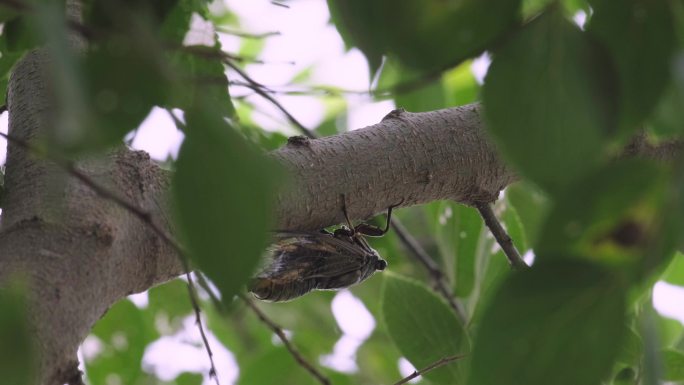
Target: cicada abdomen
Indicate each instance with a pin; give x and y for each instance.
(304, 261)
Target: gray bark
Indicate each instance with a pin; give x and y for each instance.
(78, 252)
(81, 253)
(410, 158)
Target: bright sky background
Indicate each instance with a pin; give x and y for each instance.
(306, 39)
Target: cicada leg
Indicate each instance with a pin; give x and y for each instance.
(374, 231)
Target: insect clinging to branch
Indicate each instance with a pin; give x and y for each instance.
(304, 261)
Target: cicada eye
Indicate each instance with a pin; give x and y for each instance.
(381, 264)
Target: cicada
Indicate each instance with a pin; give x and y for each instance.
(304, 261)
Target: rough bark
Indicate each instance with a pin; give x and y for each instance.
(410, 158)
(81, 253)
(78, 252)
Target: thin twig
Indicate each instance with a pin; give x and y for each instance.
(288, 345)
(431, 266)
(428, 368)
(140, 213)
(501, 236)
(198, 321)
(247, 35)
(261, 90)
(280, 4)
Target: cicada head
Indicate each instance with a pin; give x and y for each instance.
(363, 271)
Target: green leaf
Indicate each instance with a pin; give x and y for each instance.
(123, 81)
(21, 35)
(189, 379)
(105, 93)
(224, 197)
(423, 96)
(127, 15)
(124, 332)
(378, 358)
(548, 101)
(530, 8)
(172, 298)
(426, 98)
(675, 271)
(673, 365)
(670, 331)
(668, 115)
(640, 37)
(7, 60)
(545, 323)
(200, 79)
(492, 270)
(7, 13)
(417, 32)
(533, 7)
(17, 351)
(423, 327)
(631, 350)
(626, 376)
(461, 86)
(514, 227)
(356, 23)
(176, 23)
(457, 230)
(531, 205)
(275, 366)
(616, 216)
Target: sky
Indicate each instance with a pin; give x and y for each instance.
(306, 39)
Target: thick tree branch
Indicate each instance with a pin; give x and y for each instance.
(414, 157)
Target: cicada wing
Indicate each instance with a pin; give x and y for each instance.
(275, 290)
(285, 275)
(301, 262)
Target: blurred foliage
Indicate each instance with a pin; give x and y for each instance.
(415, 32)
(569, 109)
(560, 99)
(558, 303)
(18, 359)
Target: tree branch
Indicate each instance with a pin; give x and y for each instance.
(501, 236)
